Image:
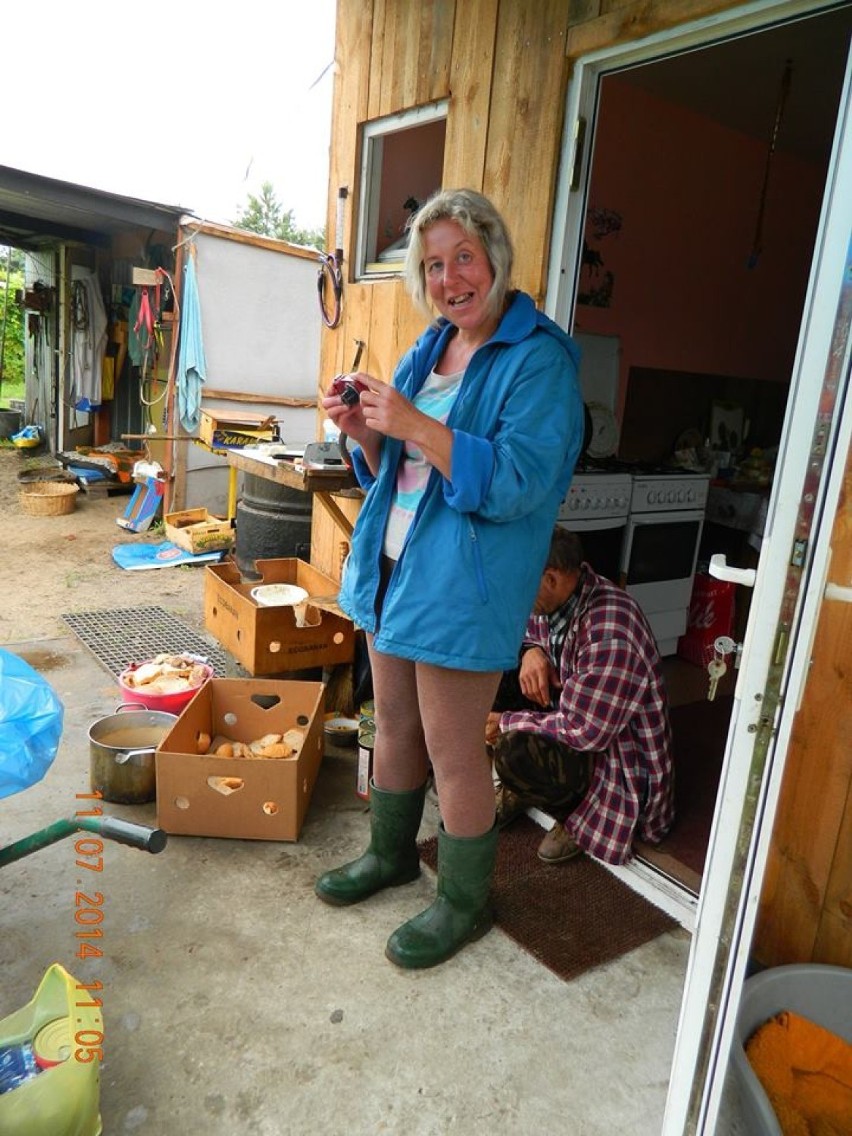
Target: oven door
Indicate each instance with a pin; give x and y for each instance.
(658, 566)
(602, 540)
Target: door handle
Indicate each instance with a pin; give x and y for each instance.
(721, 570)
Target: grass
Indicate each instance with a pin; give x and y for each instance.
(8, 390)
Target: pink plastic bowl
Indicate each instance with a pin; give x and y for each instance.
(170, 703)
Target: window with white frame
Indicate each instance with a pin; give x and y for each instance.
(402, 165)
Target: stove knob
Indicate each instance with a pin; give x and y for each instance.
(586, 502)
(690, 494)
(671, 496)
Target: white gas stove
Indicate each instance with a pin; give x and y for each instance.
(667, 492)
(660, 551)
(596, 495)
(596, 509)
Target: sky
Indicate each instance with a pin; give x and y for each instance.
(188, 103)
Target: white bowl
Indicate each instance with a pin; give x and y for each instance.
(343, 731)
(278, 595)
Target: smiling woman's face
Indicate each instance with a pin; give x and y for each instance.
(458, 275)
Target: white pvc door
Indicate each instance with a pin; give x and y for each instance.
(788, 583)
(788, 590)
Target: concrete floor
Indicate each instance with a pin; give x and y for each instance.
(235, 1002)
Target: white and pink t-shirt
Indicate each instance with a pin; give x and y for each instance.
(435, 398)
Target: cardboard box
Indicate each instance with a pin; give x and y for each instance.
(273, 794)
(197, 531)
(234, 429)
(267, 640)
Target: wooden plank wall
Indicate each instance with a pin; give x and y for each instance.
(805, 913)
(503, 65)
(393, 55)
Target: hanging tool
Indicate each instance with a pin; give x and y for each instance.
(783, 95)
(331, 269)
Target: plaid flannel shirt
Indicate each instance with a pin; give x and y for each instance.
(613, 702)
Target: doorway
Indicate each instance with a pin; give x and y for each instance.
(702, 192)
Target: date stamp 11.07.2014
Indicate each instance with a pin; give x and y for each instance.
(88, 932)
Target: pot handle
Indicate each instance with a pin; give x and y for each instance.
(126, 706)
(125, 756)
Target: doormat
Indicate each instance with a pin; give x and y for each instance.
(134, 634)
(570, 917)
(699, 732)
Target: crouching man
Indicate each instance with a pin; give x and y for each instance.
(581, 729)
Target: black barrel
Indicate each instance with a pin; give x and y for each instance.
(10, 423)
(273, 521)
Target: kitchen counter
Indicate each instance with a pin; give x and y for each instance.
(737, 506)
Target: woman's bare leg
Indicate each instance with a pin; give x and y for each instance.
(400, 758)
(454, 706)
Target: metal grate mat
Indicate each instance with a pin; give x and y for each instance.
(132, 635)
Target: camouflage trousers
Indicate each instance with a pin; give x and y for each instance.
(544, 773)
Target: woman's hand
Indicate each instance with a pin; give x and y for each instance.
(381, 411)
(379, 408)
(536, 676)
(348, 417)
(388, 412)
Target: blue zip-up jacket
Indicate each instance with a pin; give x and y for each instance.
(469, 570)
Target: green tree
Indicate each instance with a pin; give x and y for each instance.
(266, 215)
(11, 322)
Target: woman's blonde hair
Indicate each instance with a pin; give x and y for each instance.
(478, 217)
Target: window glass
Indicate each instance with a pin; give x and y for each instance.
(403, 161)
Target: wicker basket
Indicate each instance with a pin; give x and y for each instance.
(48, 498)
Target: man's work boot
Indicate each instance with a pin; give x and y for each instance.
(558, 846)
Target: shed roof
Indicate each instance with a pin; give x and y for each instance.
(36, 211)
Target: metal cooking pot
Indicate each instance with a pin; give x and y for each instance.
(121, 753)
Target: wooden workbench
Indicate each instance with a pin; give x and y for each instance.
(320, 483)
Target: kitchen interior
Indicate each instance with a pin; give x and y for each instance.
(705, 184)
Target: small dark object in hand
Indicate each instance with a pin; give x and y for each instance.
(348, 389)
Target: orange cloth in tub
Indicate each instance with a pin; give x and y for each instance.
(806, 1071)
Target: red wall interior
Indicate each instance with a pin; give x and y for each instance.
(688, 191)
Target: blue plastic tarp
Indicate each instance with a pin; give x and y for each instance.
(31, 716)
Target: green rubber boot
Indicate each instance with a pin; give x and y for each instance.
(461, 912)
(391, 857)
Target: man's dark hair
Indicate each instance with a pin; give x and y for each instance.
(566, 551)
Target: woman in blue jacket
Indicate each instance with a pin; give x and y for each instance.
(465, 459)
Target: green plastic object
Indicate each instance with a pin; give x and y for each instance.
(63, 1100)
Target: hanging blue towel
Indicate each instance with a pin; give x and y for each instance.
(192, 367)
